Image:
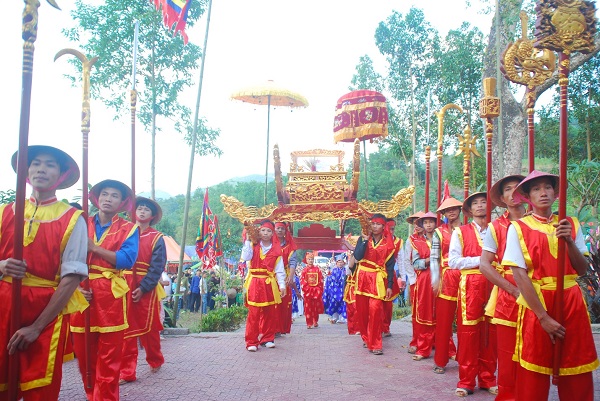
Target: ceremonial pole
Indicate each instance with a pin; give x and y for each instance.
(489, 108)
(530, 68)
(565, 28)
(427, 176)
(191, 169)
(86, 66)
(466, 146)
(29, 35)
(133, 104)
(440, 146)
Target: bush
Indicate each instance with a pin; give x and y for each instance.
(224, 319)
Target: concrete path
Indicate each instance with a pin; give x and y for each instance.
(320, 364)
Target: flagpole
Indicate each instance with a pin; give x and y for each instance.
(29, 35)
(191, 169)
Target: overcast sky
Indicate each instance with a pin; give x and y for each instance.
(311, 47)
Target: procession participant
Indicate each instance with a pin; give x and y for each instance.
(388, 304)
(297, 300)
(112, 247)
(476, 357)
(502, 307)
(144, 297)
(423, 292)
(53, 265)
(445, 284)
(350, 297)
(333, 296)
(407, 270)
(312, 291)
(531, 246)
(376, 256)
(288, 251)
(264, 286)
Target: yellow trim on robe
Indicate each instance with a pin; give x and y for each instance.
(269, 280)
(463, 300)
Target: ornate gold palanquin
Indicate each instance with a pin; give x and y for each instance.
(312, 195)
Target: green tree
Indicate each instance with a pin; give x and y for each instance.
(165, 64)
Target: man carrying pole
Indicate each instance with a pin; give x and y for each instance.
(112, 247)
(143, 299)
(531, 252)
(52, 266)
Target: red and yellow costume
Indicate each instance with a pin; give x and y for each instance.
(311, 281)
(262, 294)
(371, 285)
(108, 314)
(534, 349)
(476, 354)
(445, 302)
(350, 299)
(284, 309)
(388, 304)
(48, 227)
(143, 316)
(503, 311)
(423, 299)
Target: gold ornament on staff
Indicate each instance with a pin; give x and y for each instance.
(489, 108)
(467, 146)
(564, 26)
(440, 144)
(524, 64)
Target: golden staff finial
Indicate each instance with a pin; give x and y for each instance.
(467, 146)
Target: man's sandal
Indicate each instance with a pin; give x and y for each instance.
(462, 392)
(439, 370)
(417, 357)
(412, 350)
(377, 352)
(492, 390)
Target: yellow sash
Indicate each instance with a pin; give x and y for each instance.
(371, 267)
(77, 302)
(118, 284)
(547, 283)
(270, 279)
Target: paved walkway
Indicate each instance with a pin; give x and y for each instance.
(321, 364)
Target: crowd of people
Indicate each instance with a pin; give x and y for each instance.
(497, 281)
(96, 292)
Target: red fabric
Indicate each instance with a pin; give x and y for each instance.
(445, 311)
(312, 309)
(413, 340)
(449, 277)
(260, 321)
(350, 299)
(370, 319)
(578, 350)
(105, 356)
(54, 222)
(144, 314)
(476, 361)
(311, 281)
(388, 310)
(507, 368)
(151, 343)
(376, 255)
(259, 290)
(533, 386)
(284, 313)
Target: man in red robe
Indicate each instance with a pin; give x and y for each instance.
(53, 265)
(445, 284)
(502, 306)
(407, 271)
(388, 304)
(264, 286)
(143, 301)
(423, 292)
(112, 247)
(288, 253)
(531, 251)
(312, 291)
(476, 342)
(376, 256)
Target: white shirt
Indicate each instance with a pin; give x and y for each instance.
(248, 252)
(514, 254)
(456, 260)
(73, 260)
(165, 277)
(489, 243)
(405, 264)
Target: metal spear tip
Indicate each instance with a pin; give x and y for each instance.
(53, 4)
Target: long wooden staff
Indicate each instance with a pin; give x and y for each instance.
(466, 146)
(29, 29)
(565, 28)
(85, 130)
(133, 104)
(427, 176)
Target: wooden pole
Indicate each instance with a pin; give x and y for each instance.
(427, 176)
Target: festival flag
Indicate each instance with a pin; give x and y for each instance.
(208, 241)
(175, 12)
(446, 194)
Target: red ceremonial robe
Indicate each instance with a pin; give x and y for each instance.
(48, 227)
(350, 299)
(388, 304)
(284, 309)
(312, 290)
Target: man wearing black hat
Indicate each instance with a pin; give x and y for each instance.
(53, 265)
(476, 359)
(143, 300)
(113, 244)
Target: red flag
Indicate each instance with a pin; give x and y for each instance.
(208, 241)
(446, 194)
(175, 12)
